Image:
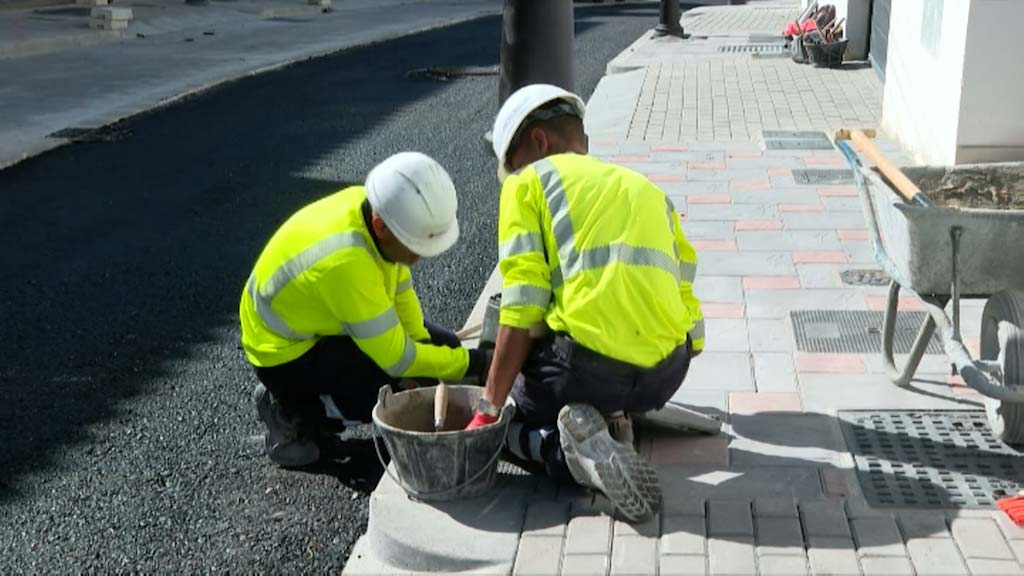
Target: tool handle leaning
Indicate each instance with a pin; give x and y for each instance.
(440, 406)
(903, 185)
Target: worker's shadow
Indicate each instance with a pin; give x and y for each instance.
(353, 461)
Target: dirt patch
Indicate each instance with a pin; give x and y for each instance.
(994, 186)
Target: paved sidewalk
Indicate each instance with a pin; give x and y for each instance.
(822, 466)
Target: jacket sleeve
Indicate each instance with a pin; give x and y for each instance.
(526, 276)
(687, 274)
(407, 304)
(368, 315)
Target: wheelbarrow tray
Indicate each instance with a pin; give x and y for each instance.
(918, 242)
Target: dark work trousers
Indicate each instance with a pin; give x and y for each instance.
(558, 371)
(335, 366)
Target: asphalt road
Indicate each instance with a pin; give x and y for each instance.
(129, 439)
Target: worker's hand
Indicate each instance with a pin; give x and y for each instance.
(479, 365)
(480, 419)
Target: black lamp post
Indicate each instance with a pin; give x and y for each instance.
(668, 20)
(536, 45)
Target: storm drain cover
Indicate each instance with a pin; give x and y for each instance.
(795, 140)
(758, 48)
(928, 459)
(855, 331)
(815, 176)
(864, 278)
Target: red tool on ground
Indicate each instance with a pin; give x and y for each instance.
(1013, 506)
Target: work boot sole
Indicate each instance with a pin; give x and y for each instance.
(597, 461)
(283, 451)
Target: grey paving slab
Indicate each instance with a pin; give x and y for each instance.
(683, 566)
(707, 401)
(538, 556)
(859, 251)
(546, 518)
(779, 303)
(726, 335)
(766, 163)
(770, 335)
(724, 289)
(821, 275)
(775, 196)
(887, 566)
(728, 371)
(980, 538)
(824, 519)
(711, 482)
(783, 565)
(649, 528)
(994, 567)
(775, 507)
(729, 518)
(779, 536)
(829, 557)
(722, 212)
(788, 240)
(748, 264)
(709, 230)
(915, 525)
(690, 188)
(827, 393)
(879, 536)
(774, 372)
(823, 221)
(768, 439)
(634, 556)
(1010, 530)
(725, 175)
(731, 556)
(936, 557)
(585, 565)
(589, 535)
(843, 204)
(683, 535)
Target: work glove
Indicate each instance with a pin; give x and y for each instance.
(480, 419)
(479, 366)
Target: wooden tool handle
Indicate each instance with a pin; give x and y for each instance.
(440, 405)
(904, 187)
(469, 331)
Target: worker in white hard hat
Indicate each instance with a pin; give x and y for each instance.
(329, 314)
(597, 315)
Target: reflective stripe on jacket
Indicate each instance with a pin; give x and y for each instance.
(321, 275)
(597, 251)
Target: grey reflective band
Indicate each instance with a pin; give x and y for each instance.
(374, 326)
(697, 332)
(270, 318)
(408, 357)
(672, 225)
(687, 272)
(403, 286)
(522, 244)
(625, 254)
(525, 295)
(556, 278)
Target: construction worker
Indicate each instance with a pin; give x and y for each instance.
(596, 268)
(329, 314)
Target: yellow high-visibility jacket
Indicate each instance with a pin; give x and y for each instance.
(597, 252)
(322, 275)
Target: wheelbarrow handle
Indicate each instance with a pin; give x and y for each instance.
(903, 185)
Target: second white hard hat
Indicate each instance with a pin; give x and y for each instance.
(519, 105)
(416, 198)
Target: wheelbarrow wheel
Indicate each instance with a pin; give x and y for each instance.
(1002, 340)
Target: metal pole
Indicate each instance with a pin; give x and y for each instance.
(668, 20)
(536, 45)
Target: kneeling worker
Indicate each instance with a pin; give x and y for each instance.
(329, 314)
(595, 255)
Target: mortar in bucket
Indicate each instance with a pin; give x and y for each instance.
(439, 466)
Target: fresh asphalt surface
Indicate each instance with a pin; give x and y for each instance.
(129, 439)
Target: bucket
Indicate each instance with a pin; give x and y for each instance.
(439, 466)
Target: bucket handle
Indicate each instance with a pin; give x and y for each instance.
(382, 395)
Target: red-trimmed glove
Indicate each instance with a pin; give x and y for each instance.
(480, 419)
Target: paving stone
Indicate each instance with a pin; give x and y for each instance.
(679, 504)
(702, 246)
(730, 518)
(980, 538)
(648, 528)
(735, 176)
(788, 240)
(749, 264)
(589, 535)
(887, 566)
(722, 289)
(721, 310)
(1010, 530)
(831, 556)
(820, 275)
(993, 567)
(775, 507)
(585, 565)
(758, 225)
(722, 212)
(828, 392)
(782, 565)
(538, 556)
(841, 204)
(777, 439)
(812, 207)
(731, 556)
(834, 481)
(683, 535)
(634, 556)
(726, 335)
(546, 518)
(771, 283)
(936, 557)
(709, 230)
(1018, 549)
(706, 401)
(683, 566)
(859, 251)
(779, 536)
(770, 335)
(878, 536)
(779, 303)
(774, 372)
(747, 403)
(814, 221)
(824, 518)
(700, 187)
(726, 371)
(819, 257)
(829, 363)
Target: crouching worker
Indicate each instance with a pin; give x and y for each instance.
(329, 314)
(594, 254)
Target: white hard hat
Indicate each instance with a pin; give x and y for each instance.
(416, 198)
(518, 107)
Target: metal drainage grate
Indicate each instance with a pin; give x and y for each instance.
(855, 331)
(756, 48)
(799, 140)
(445, 73)
(929, 459)
(815, 176)
(864, 278)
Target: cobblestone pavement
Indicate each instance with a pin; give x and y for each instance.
(763, 17)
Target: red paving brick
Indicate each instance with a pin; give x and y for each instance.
(709, 199)
(755, 402)
(713, 451)
(779, 171)
(819, 257)
(630, 158)
(824, 161)
(770, 282)
(801, 207)
(745, 154)
(720, 310)
(667, 177)
(706, 165)
(829, 363)
(852, 234)
(749, 225)
(669, 148)
(877, 302)
(714, 245)
(837, 191)
(974, 345)
(750, 184)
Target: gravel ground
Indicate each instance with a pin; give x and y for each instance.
(130, 441)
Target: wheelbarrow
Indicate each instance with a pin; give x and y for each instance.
(945, 254)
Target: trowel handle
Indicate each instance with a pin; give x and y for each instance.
(440, 405)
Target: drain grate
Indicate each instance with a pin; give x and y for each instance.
(445, 73)
(928, 459)
(864, 277)
(855, 331)
(756, 48)
(799, 140)
(816, 176)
